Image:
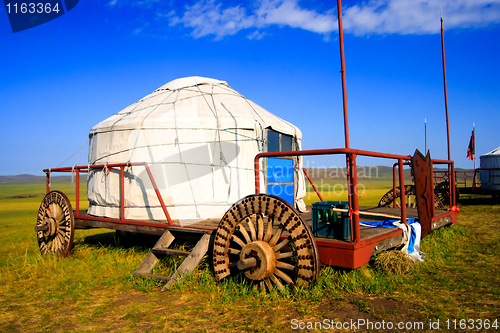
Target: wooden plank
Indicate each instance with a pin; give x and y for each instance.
(191, 261)
(158, 277)
(89, 224)
(387, 244)
(368, 232)
(151, 259)
(366, 213)
(184, 233)
(441, 222)
(424, 190)
(159, 251)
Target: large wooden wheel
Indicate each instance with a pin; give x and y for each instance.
(55, 225)
(410, 198)
(263, 240)
(442, 190)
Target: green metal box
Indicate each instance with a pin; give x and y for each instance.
(328, 223)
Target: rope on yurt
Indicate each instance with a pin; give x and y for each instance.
(73, 178)
(243, 135)
(120, 119)
(142, 123)
(78, 150)
(232, 91)
(251, 106)
(136, 108)
(179, 149)
(73, 168)
(217, 137)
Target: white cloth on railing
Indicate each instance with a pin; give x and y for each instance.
(412, 233)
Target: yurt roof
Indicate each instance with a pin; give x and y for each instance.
(495, 151)
(211, 102)
(190, 81)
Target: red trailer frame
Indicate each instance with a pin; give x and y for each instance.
(349, 254)
(260, 255)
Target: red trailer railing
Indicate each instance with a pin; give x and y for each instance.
(122, 166)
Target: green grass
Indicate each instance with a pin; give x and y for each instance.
(93, 289)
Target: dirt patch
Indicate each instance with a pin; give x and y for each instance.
(183, 311)
(125, 298)
(355, 313)
(23, 196)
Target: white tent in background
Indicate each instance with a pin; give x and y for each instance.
(199, 137)
(490, 179)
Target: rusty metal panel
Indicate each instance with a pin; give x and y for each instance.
(424, 188)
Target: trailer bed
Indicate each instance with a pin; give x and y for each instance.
(335, 252)
(85, 221)
(82, 222)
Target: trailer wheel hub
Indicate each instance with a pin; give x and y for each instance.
(265, 260)
(51, 227)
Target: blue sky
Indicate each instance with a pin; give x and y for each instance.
(61, 78)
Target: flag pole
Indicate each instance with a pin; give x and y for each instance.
(425, 151)
(450, 171)
(445, 91)
(474, 131)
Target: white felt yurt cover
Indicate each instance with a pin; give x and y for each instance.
(199, 137)
(490, 178)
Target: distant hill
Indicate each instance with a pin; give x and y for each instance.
(23, 179)
(31, 179)
(364, 172)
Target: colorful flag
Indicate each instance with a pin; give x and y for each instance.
(471, 150)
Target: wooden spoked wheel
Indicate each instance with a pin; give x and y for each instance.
(410, 196)
(55, 225)
(442, 190)
(263, 240)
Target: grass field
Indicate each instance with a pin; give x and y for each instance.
(93, 288)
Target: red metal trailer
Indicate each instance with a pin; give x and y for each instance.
(261, 238)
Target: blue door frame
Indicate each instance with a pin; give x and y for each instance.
(280, 180)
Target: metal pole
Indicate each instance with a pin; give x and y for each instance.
(77, 191)
(47, 184)
(394, 185)
(351, 172)
(474, 142)
(425, 151)
(342, 71)
(122, 192)
(355, 203)
(452, 184)
(312, 183)
(402, 191)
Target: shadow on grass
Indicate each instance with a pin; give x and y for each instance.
(476, 200)
(127, 240)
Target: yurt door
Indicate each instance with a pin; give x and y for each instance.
(280, 175)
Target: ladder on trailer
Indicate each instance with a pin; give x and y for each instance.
(162, 249)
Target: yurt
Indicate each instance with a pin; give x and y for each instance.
(199, 137)
(490, 178)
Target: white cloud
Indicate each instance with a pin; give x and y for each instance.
(137, 3)
(289, 13)
(418, 16)
(256, 35)
(208, 17)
